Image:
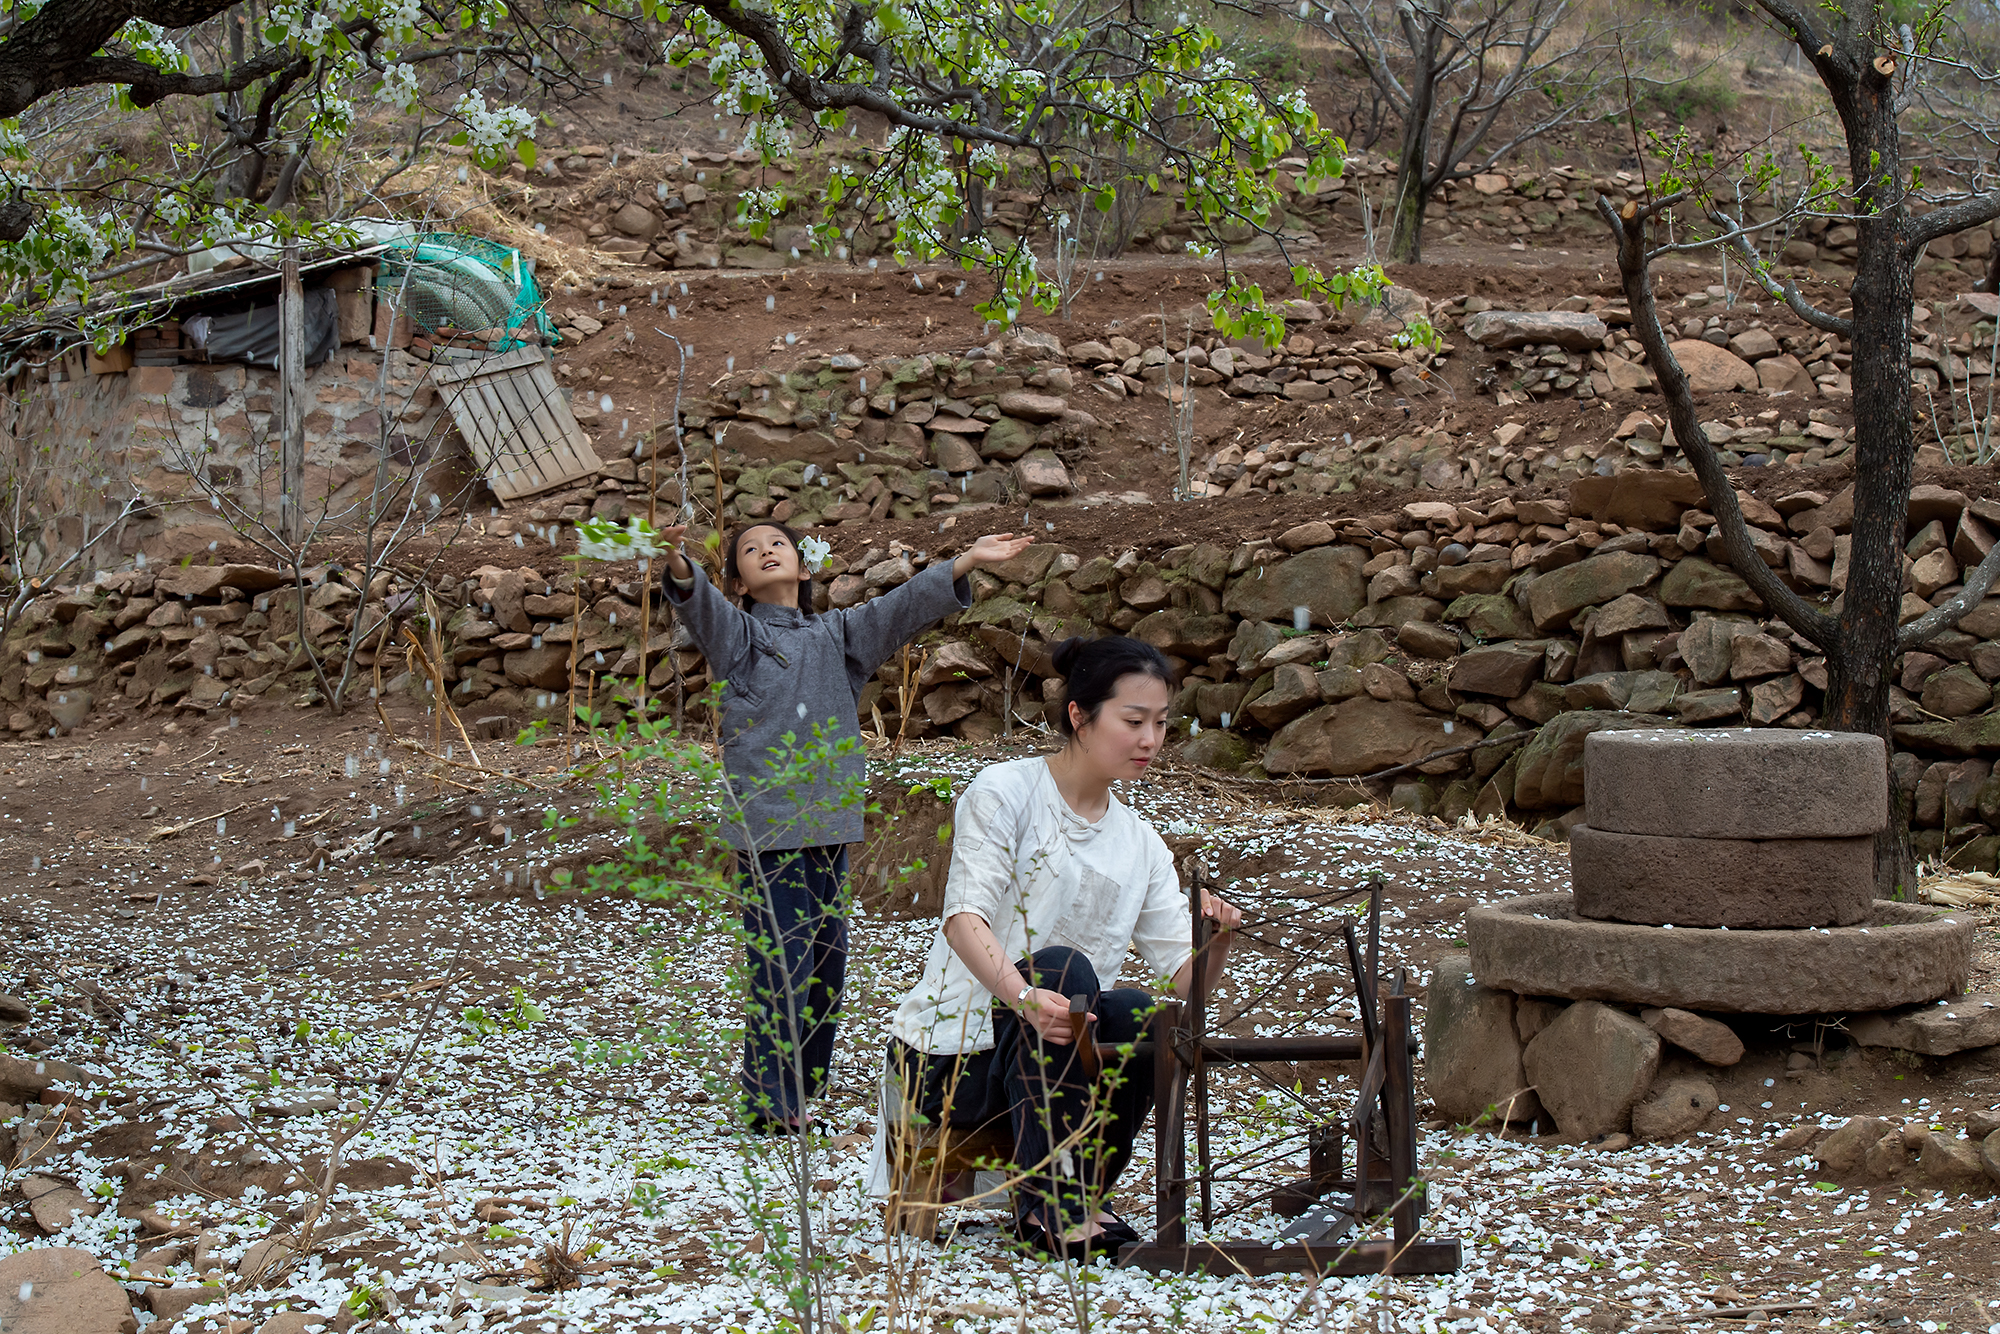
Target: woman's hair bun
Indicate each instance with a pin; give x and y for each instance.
(1063, 656)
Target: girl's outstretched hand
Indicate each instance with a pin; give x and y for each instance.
(996, 547)
(991, 550)
(670, 538)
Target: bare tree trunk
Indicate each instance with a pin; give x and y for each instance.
(1860, 663)
(288, 178)
(974, 223)
(1861, 639)
(1406, 236)
(243, 177)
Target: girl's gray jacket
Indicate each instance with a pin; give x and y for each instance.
(788, 672)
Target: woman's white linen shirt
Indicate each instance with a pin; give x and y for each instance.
(1040, 874)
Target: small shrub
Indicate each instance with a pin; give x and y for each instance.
(1707, 93)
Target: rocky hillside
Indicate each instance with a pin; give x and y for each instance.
(807, 437)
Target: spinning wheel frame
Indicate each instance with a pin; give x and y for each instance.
(1183, 1048)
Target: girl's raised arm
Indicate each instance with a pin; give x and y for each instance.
(880, 626)
(720, 628)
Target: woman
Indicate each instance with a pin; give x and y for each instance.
(1052, 879)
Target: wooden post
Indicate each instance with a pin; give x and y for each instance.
(1197, 1011)
(715, 463)
(1324, 1157)
(1399, 1099)
(646, 568)
(1169, 1130)
(292, 395)
(575, 622)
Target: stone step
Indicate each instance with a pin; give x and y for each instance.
(1955, 1024)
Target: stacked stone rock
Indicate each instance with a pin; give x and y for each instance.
(1874, 1149)
(654, 210)
(1740, 828)
(1718, 873)
(678, 210)
(681, 210)
(1759, 845)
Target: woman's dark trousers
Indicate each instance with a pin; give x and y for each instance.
(1071, 1140)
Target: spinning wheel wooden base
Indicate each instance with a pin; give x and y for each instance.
(1328, 1206)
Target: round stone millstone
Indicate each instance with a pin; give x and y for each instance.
(1904, 954)
(1735, 882)
(1742, 783)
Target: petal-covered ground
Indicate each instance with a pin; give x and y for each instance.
(529, 1092)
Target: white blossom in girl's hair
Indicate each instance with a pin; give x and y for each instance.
(816, 551)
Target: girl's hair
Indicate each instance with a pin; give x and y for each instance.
(1092, 668)
(729, 570)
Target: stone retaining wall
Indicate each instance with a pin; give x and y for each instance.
(682, 210)
(1324, 650)
(919, 436)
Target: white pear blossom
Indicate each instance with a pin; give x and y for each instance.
(492, 128)
(399, 87)
(601, 539)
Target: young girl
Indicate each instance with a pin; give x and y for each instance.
(788, 671)
(1052, 880)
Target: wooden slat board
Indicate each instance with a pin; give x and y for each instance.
(516, 422)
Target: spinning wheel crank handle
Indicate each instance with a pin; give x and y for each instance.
(1086, 1040)
(1375, 890)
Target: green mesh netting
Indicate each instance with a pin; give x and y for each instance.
(463, 283)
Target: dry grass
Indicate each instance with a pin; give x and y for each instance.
(1967, 889)
(494, 207)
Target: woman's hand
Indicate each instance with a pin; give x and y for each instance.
(989, 550)
(1226, 915)
(1047, 1012)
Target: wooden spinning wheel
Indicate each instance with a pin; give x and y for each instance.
(1333, 1206)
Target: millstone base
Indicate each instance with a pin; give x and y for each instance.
(1903, 954)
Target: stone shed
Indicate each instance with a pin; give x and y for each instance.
(86, 433)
